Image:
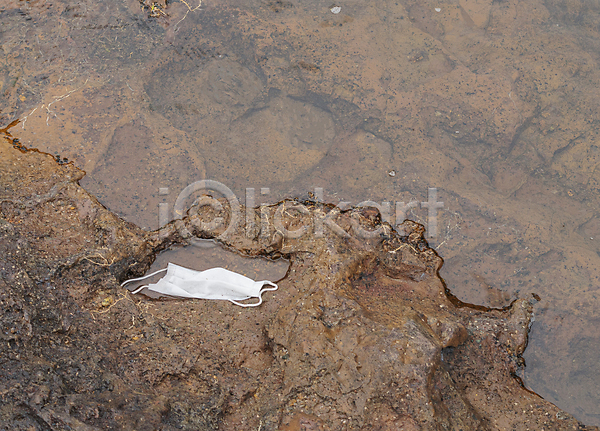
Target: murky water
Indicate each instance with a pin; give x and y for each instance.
(493, 103)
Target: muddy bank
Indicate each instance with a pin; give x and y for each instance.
(360, 334)
(494, 103)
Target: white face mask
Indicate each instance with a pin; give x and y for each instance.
(215, 283)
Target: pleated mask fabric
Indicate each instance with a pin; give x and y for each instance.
(214, 283)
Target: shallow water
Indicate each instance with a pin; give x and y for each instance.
(494, 104)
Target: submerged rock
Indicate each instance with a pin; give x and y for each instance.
(362, 333)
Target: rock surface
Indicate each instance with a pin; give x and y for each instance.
(361, 335)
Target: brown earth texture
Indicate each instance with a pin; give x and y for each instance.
(490, 105)
(360, 335)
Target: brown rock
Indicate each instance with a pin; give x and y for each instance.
(360, 335)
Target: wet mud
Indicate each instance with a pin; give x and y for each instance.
(361, 334)
(493, 103)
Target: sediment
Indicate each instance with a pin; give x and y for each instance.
(362, 334)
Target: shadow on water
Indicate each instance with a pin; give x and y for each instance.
(493, 104)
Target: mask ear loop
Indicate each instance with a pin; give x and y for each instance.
(142, 278)
(275, 287)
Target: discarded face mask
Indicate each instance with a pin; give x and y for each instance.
(215, 283)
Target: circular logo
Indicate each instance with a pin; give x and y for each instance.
(206, 185)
